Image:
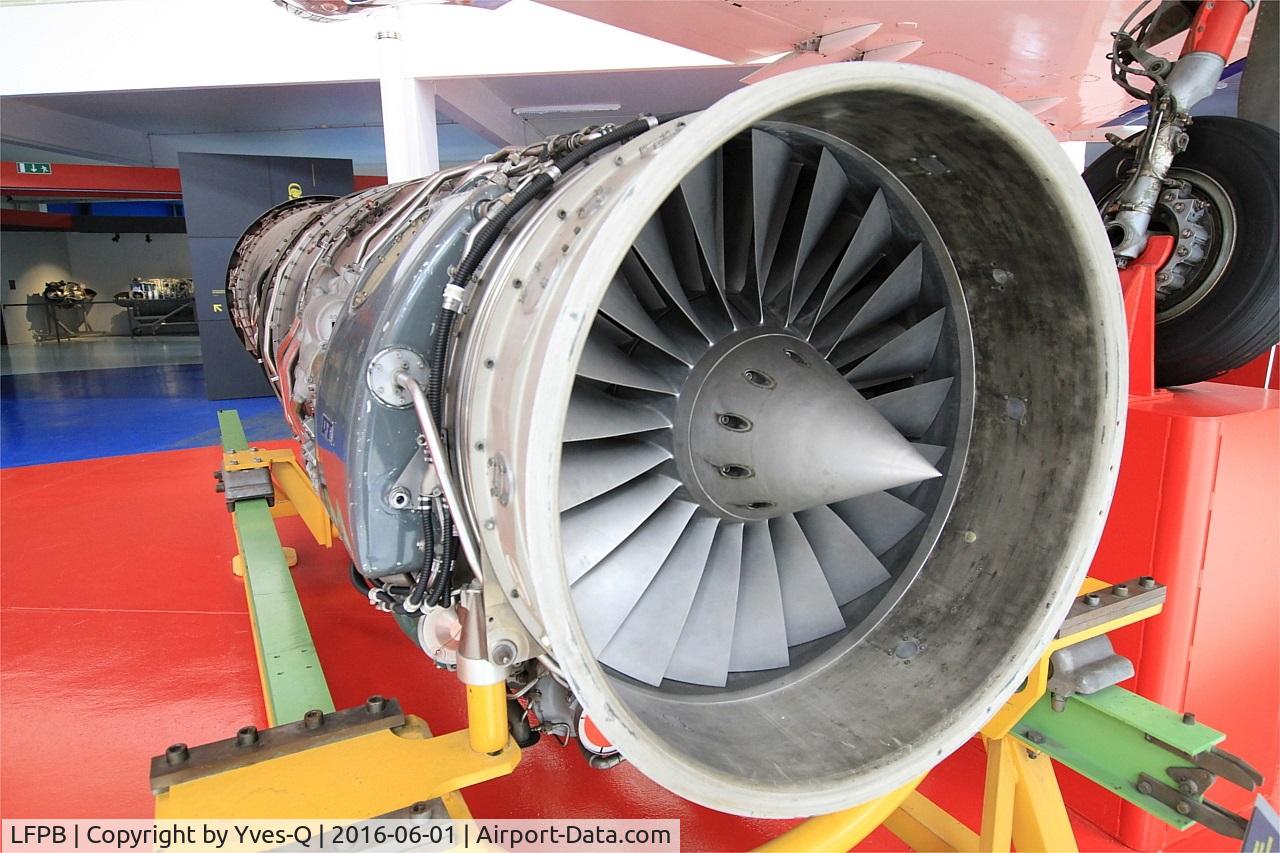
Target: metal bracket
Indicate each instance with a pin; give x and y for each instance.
(1086, 667)
(1110, 603)
(1217, 762)
(246, 484)
(251, 746)
(1209, 815)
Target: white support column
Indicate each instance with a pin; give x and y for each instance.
(408, 108)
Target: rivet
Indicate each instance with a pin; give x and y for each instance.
(375, 704)
(1092, 600)
(1120, 590)
(1147, 582)
(247, 736)
(1188, 719)
(313, 719)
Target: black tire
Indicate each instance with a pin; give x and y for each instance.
(1238, 318)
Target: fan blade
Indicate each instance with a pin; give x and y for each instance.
(738, 219)
(817, 271)
(830, 187)
(642, 648)
(908, 353)
(880, 519)
(933, 453)
(900, 290)
(759, 628)
(590, 531)
(588, 469)
(703, 191)
(809, 607)
(860, 346)
(621, 306)
(914, 408)
(594, 414)
(773, 181)
(605, 363)
(653, 249)
(849, 566)
(607, 593)
(868, 245)
(702, 655)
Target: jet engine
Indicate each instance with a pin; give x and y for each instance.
(765, 446)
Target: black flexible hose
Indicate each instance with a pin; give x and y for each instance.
(428, 556)
(359, 582)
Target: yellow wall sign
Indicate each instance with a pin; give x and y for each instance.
(294, 190)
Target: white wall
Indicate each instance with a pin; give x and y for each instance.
(29, 259)
(33, 258)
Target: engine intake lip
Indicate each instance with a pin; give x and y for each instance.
(989, 597)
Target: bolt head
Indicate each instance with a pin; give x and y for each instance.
(313, 719)
(177, 754)
(375, 704)
(1188, 719)
(1144, 787)
(1092, 600)
(247, 736)
(1183, 808)
(1147, 582)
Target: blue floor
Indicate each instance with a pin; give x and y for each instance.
(84, 414)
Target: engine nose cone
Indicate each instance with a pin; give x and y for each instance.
(766, 426)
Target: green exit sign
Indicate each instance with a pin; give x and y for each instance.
(35, 169)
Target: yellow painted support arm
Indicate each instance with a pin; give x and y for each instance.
(360, 777)
(997, 800)
(1040, 822)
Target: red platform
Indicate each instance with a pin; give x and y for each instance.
(1196, 507)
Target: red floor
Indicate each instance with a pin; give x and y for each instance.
(123, 630)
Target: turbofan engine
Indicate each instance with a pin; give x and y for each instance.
(776, 438)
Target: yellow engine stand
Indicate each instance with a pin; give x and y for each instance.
(379, 772)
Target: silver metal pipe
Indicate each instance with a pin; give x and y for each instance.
(438, 457)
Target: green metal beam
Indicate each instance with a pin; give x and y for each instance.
(1107, 737)
(292, 679)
